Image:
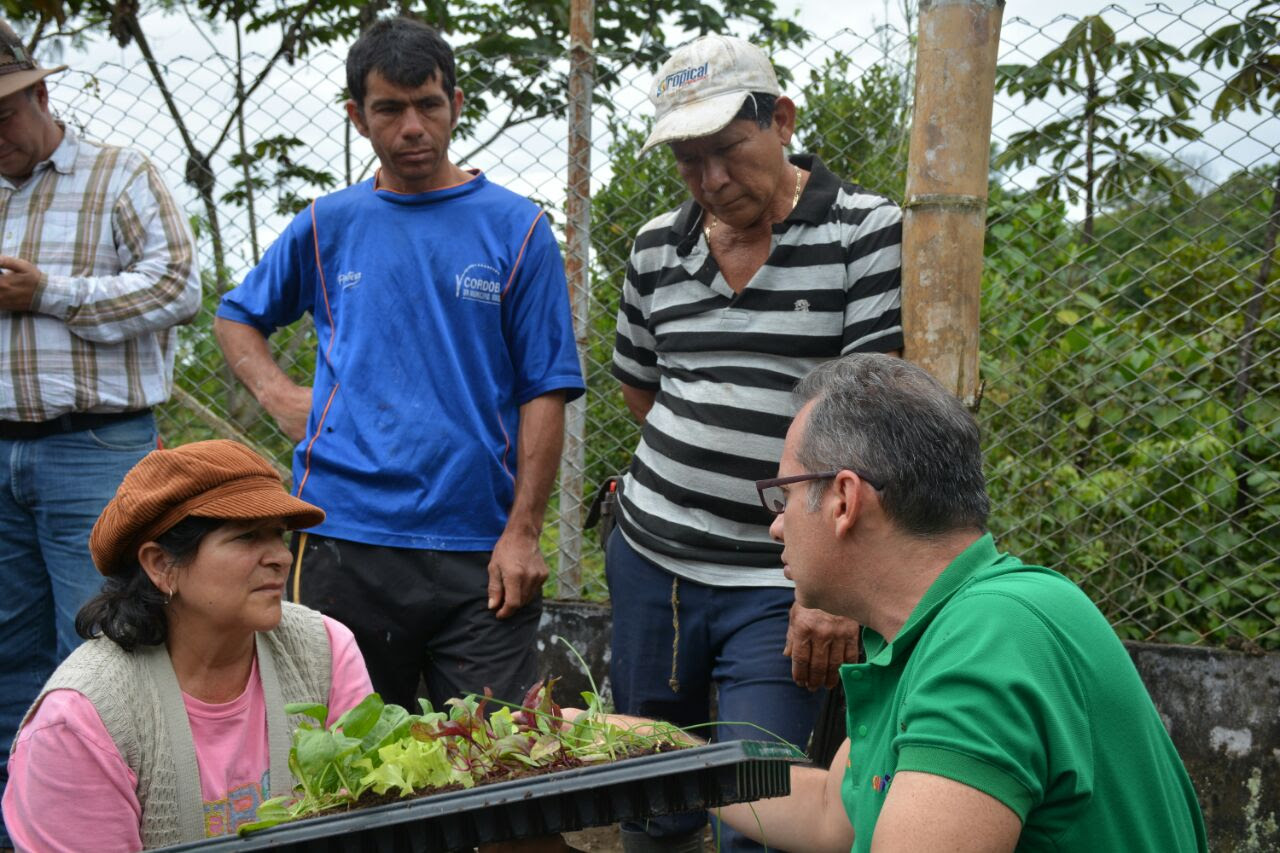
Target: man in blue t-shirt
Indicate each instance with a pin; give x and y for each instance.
(445, 355)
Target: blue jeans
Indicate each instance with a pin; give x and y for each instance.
(53, 491)
(730, 637)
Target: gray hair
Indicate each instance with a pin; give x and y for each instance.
(891, 419)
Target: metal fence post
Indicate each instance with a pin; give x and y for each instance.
(578, 238)
(946, 197)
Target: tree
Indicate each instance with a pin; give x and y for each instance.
(859, 127)
(1094, 152)
(1249, 46)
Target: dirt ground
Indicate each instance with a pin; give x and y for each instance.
(600, 839)
(606, 839)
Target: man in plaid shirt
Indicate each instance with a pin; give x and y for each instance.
(97, 265)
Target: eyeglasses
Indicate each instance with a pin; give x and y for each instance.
(774, 497)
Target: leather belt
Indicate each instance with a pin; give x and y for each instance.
(70, 422)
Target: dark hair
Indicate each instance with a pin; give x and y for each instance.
(885, 416)
(405, 51)
(130, 609)
(758, 107)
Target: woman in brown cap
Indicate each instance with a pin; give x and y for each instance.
(168, 725)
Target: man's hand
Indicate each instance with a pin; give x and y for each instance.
(290, 404)
(516, 572)
(817, 643)
(17, 283)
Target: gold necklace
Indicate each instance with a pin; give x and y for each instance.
(795, 199)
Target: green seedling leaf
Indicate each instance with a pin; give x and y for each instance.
(544, 748)
(322, 757)
(392, 725)
(315, 710)
(271, 813)
(361, 719)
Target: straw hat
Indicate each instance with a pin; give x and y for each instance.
(211, 479)
(18, 70)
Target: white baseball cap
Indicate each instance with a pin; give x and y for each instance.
(704, 83)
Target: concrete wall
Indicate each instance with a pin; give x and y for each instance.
(1222, 709)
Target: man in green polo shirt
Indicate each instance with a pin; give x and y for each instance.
(996, 710)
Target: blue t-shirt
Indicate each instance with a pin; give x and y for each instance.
(438, 315)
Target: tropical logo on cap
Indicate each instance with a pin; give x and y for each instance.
(683, 77)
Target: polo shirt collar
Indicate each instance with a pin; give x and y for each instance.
(980, 555)
(816, 199)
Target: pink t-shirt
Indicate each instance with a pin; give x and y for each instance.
(68, 783)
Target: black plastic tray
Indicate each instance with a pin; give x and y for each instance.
(685, 780)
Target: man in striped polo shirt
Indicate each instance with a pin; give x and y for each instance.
(97, 265)
(773, 266)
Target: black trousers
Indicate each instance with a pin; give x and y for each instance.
(419, 615)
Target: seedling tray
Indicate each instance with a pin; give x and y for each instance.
(685, 780)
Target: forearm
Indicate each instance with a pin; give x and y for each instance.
(156, 284)
(639, 401)
(249, 357)
(115, 308)
(538, 444)
(811, 817)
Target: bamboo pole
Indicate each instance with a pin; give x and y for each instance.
(578, 239)
(946, 198)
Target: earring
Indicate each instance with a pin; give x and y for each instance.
(168, 596)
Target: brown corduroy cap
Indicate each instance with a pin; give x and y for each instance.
(18, 70)
(212, 479)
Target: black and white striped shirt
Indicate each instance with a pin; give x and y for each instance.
(723, 365)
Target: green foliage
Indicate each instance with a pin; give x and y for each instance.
(287, 177)
(1250, 47)
(641, 188)
(376, 748)
(1115, 446)
(1095, 151)
(858, 127)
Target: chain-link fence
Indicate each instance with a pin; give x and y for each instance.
(1131, 371)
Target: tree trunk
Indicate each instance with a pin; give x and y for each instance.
(1090, 176)
(199, 173)
(244, 150)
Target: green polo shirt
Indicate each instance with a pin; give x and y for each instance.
(1008, 679)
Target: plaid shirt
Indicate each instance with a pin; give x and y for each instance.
(118, 271)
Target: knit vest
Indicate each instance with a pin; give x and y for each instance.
(137, 696)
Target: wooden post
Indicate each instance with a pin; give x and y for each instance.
(578, 239)
(946, 199)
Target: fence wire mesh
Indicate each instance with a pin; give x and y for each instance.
(1131, 371)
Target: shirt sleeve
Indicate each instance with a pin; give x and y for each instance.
(158, 283)
(537, 322)
(873, 290)
(284, 284)
(68, 783)
(349, 680)
(635, 359)
(999, 707)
